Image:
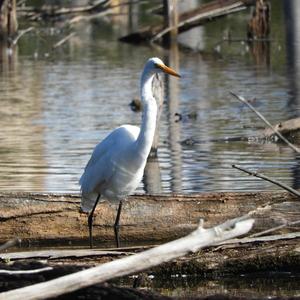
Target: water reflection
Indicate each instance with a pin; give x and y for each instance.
(250, 286)
(256, 285)
(55, 108)
(292, 26)
(152, 177)
(174, 135)
(22, 148)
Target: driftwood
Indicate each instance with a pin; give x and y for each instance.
(264, 253)
(135, 263)
(243, 100)
(199, 16)
(44, 218)
(272, 253)
(290, 129)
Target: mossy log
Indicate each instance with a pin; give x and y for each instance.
(49, 218)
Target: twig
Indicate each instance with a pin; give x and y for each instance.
(10, 243)
(258, 175)
(21, 33)
(132, 264)
(16, 272)
(242, 99)
(62, 41)
(274, 229)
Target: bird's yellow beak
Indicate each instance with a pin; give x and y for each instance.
(168, 70)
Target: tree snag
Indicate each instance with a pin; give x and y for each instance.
(259, 25)
(8, 19)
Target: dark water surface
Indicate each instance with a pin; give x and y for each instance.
(57, 105)
(249, 286)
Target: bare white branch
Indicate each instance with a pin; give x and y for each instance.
(135, 263)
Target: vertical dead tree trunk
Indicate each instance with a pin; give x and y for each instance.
(174, 127)
(259, 25)
(258, 32)
(8, 18)
(171, 21)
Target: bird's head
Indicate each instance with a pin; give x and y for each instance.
(156, 65)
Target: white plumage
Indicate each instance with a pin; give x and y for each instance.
(112, 171)
(116, 166)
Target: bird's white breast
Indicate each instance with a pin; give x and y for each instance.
(128, 168)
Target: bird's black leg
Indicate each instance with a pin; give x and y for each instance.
(90, 221)
(116, 226)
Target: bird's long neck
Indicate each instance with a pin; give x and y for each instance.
(145, 138)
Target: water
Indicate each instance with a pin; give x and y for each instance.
(57, 105)
(256, 285)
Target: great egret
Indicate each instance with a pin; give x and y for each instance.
(117, 164)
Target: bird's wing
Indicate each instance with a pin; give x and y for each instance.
(100, 168)
(119, 137)
(93, 173)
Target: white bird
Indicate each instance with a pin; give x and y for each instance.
(117, 164)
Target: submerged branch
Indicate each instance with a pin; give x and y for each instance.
(261, 176)
(62, 41)
(21, 33)
(243, 100)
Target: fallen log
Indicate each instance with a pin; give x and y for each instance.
(135, 263)
(45, 218)
(241, 256)
(290, 129)
(274, 253)
(199, 16)
(279, 135)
